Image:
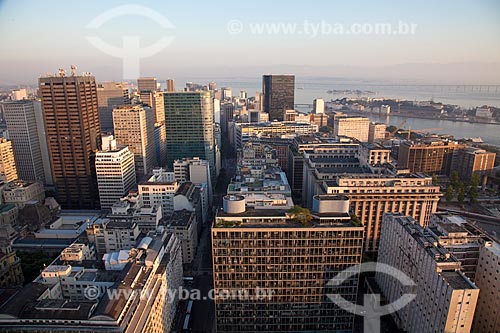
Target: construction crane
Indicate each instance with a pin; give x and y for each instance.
(424, 130)
(391, 134)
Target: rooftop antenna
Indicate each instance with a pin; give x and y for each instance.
(73, 70)
(62, 72)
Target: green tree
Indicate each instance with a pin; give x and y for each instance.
(325, 129)
(302, 215)
(454, 178)
(434, 179)
(355, 220)
(475, 180)
(461, 196)
(449, 193)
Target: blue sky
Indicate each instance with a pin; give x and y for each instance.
(39, 36)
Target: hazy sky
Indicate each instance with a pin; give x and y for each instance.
(461, 38)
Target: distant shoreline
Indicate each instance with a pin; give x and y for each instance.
(405, 115)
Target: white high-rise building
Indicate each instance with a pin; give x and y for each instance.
(160, 190)
(115, 170)
(22, 126)
(319, 106)
(216, 110)
(445, 299)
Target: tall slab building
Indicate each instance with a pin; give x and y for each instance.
(189, 118)
(22, 126)
(72, 128)
(279, 94)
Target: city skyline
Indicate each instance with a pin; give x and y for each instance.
(448, 35)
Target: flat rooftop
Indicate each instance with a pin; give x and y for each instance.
(457, 280)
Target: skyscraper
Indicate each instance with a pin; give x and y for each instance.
(135, 127)
(115, 172)
(21, 124)
(445, 299)
(147, 84)
(279, 94)
(170, 85)
(189, 118)
(72, 128)
(8, 171)
(275, 269)
(110, 95)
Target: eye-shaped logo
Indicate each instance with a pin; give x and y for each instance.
(372, 310)
(130, 52)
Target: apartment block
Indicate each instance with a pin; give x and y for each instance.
(445, 298)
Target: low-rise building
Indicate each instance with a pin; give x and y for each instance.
(19, 192)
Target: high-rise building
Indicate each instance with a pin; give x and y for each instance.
(282, 266)
(189, 119)
(374, 194)
(352, 127)
(154, 99)
(19, 94)
(487, 318)
(23, 131)
(161, 144)
(72, 127)
(135, 127)
(212, 86)
(159, 189)
(376, 132)
(279, 94)
(170, 85)
(109, 96)
(445, 299)
(318, 106)
(115, 171)
(147, 84)
(8, 170)
(429, 155)
(42, 139)
(470, 161)
(196, 171)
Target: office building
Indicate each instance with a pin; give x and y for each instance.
(318, 106)
(170, 85)
(161, 144)
(159, 189)
(22, 126)
(470, 161)
(184, 225)
(69, 106)
(429, 155)
(374, 194)
(376, 132)
(113, 235)
(243, 132)
(147, 84)
(109, 96)
(8, 170)
(279, 95)
(154, 99)
(445, 298)
(487, 318)
(194, 170)
(19, 94)
(135, 127)
(282, 265)
(115, 171)
(189, 119)
(352, 127)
